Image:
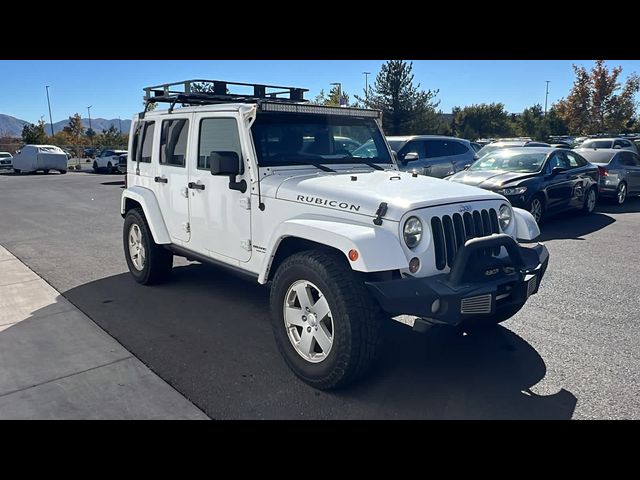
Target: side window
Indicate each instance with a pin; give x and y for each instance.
(636, 159)
(173, 142)
(217, 135)
(441, 148)
(557, 160)
(414, 146)
(574, 160)
(147, 142)
(625, 143)
(627, 159)
(618, 143)
(458, 148)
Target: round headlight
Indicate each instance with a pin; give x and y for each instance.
(504, 216)
(412, 232)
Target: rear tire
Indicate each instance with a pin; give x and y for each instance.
(621, 193)
(590, 200)
(62, 172)
(109, 168)
(335, 341)
(16, 170)
(95, 167)
(149, 263)
(46, 171)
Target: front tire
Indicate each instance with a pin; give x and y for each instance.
(325, 323)
(16, 170)
(95, 167)
(109, 168)
(148, 262)
(536, 208)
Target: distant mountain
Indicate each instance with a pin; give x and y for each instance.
(98, 125)
(12, 126)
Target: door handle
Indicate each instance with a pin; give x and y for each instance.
(196, 186)
(160, 180)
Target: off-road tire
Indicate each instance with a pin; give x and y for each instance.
(159, 261)
(356, 319)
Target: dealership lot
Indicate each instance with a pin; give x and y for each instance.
(570, 353)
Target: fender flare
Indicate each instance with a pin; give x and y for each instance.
(526, 226)
(379, 249)
(147, 199)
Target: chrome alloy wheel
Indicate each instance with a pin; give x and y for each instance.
(308, 321)
(622, 193)
(536, 209)
(591, 200)
(136, 247)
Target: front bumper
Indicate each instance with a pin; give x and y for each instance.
(477, 286)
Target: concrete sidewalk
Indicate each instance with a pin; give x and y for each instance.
(55, 363)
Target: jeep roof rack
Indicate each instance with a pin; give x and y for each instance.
(207, 92)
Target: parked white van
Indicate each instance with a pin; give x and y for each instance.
(31, 158)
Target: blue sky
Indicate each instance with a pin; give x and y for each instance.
(114, 87)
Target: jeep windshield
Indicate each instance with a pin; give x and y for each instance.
(294, 139)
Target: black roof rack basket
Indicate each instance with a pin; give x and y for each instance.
(207, 92)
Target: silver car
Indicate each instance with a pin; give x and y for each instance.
(619, 172)
(509, 144)
(6, 161)
(599, 143)
(435, 156)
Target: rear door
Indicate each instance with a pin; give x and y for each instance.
(172, 175)
(582, 175)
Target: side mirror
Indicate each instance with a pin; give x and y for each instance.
(409, 157)
(617, 147)
(227, 163)
(557, 170)
(224, 163)
(467, 166)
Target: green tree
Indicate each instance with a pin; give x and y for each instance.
(34, 134)
(405, 108)
(598, 102)
(482, 120)
(110, 137)
(74, 128)
(333, 99)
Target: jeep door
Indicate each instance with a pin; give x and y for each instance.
(172, 175)
(220, 216)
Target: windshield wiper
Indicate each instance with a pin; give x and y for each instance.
(311, 162)
(364, 161)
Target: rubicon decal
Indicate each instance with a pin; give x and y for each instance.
(329, 203)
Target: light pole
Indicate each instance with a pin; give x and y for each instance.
(366, 84)
(546, 97)
(91, 136)
(339, 92)
(50, 118)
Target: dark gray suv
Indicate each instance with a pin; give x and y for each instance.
(435, 156)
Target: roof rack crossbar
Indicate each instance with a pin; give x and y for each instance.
(203, 92)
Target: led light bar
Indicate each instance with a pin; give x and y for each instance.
(318, 109)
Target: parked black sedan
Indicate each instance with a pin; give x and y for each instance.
(541, 180)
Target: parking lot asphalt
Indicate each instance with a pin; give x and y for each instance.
(572, 352)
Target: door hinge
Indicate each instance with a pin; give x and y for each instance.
(246, 244)
(245, 203)
(187, 227)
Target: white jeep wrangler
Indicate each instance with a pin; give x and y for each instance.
(264, 184)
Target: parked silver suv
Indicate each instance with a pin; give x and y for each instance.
(435, 156)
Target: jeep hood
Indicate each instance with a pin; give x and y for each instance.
(361, 193)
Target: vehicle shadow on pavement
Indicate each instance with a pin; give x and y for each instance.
(631, 205)
(573, 226)
(208, 334)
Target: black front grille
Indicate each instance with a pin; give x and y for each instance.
(451, 232)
